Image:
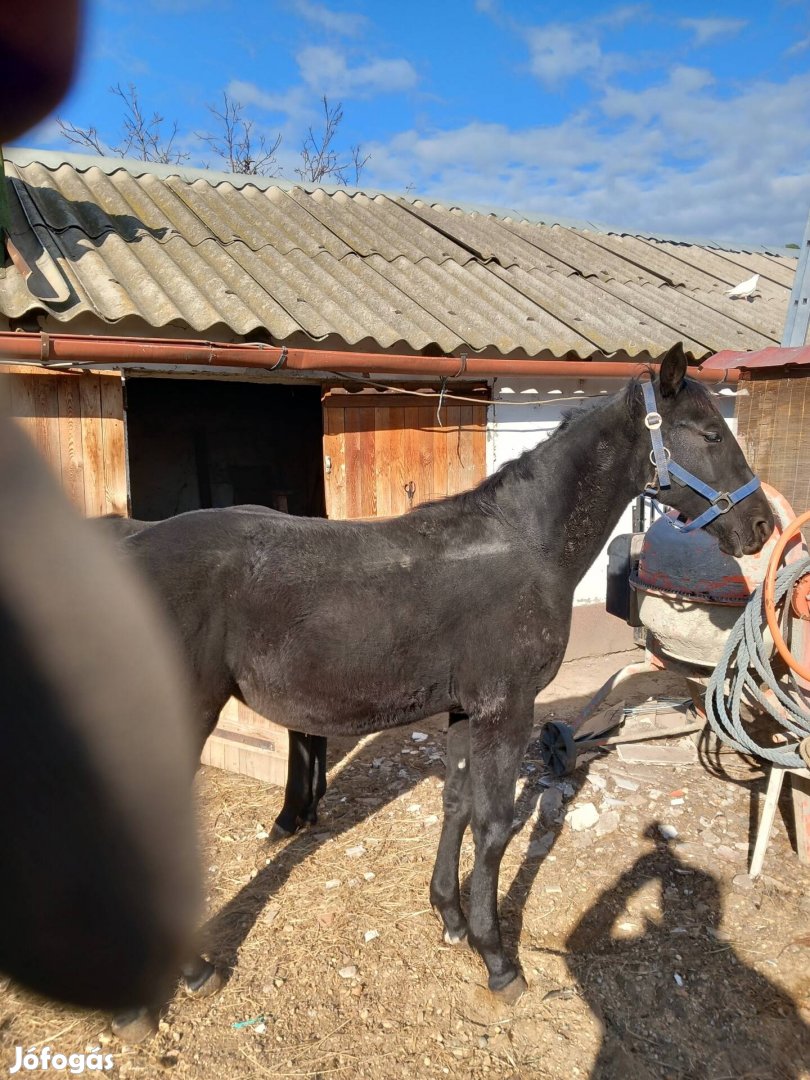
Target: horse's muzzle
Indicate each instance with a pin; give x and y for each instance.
(752, 536)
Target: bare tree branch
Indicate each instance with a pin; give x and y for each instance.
(319, 160)
(145, 135)
(87, 137)
(357, 163)
(143, 138)
(317, 157)
(235, 144)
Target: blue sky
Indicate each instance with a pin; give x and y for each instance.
(688, 119)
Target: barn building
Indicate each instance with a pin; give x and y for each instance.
(177, 338)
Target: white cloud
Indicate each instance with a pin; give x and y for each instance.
(676, 159)
(295, 101)
(708, 29)
(798, 47)
(562, 51)
(345, 23)
(621, 16)
(559, 52)
(657, 101)
(326, 71)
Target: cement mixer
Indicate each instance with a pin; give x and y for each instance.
(687, 597)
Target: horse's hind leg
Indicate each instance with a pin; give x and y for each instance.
(317, 776)
(498, 740)
(444, 887)
(298, 791)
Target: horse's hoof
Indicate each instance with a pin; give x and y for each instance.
(278, 833)
(134, 1026)
(458, 938)
(207, 982)
(513, 991)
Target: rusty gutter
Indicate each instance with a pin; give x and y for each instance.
(75, 350)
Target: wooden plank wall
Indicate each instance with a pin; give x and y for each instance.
(378, 445)
(77, 422)
(773, 425)
(245, 742)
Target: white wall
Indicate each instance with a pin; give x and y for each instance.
(524, 412)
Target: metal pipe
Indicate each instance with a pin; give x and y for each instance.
(76, 349)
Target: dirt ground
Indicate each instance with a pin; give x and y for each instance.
(646, 957)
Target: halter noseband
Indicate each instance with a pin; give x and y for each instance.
(721, 501)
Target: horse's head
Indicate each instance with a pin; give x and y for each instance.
(700, 443)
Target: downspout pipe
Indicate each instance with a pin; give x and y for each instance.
(72, 350)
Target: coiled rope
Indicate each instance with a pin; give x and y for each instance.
(746, 664)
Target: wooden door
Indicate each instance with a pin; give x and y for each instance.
(77, 423)
(385, 452)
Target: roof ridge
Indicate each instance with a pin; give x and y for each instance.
(54, 159)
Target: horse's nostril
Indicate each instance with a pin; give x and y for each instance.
(764, 528)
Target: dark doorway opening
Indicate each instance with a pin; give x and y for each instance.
(194, 445)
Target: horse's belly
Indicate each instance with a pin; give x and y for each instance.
(339, 710)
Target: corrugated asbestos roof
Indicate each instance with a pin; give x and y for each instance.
(211, 252)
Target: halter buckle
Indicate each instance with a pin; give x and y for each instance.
(725, 497)
(653, 421)
(667, 457)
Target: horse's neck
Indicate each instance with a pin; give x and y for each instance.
(575, 487)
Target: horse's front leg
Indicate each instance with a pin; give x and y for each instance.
(498, 740)
(199, 978)
(444, 888)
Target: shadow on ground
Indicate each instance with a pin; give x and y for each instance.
(673, 998)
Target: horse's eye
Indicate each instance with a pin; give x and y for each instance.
(712, 436)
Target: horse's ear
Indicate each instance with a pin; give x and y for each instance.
(673, 370)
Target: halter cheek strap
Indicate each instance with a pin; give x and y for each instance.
(653, 421)
(720, 502)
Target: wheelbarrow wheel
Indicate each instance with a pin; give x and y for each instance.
(557, 748)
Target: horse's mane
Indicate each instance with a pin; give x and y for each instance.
(482, 497)
(523, 467)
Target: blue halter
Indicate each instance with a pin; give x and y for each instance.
(721, 502)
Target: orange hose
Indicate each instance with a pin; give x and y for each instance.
(768, 596)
